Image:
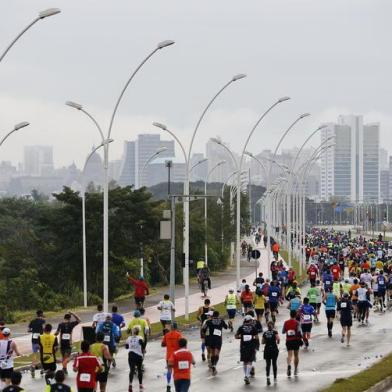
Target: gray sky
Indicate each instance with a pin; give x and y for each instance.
(331, 57)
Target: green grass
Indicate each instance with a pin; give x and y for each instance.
(365, 379)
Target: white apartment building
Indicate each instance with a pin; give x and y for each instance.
(350, 169)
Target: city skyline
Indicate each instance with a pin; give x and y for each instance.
(316, 83)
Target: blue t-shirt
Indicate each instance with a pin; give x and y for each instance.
(273, 294)
(330, 302)
(295, 303)
(117, 319)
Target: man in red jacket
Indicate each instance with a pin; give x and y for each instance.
(141, 290)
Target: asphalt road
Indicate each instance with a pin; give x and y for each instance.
(326, 360)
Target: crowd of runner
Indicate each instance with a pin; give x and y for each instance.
(348, 277)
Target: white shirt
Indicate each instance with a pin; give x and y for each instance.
(166, 308)
(362, 294)
(6, 360)
(134, 344)
(100, 317)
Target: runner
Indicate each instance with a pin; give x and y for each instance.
(330, 301)
(247, 333)
(306, 312)
(212, 330)
(99, 317)
(171, 342)
(141, 290)
(59, 385)
(271, 340)
(231, 302)
(16, 379)
(247, 299)
(48, 346)
(202, 315)
(167, 309)
(87, 366)
(36, 328)
(181, 362)
(140, 323)
(111, 334)
(293, 342)
(354, 298)
(313, 295)
(363, 294)
(136, 349)
(8, 349)
(273, 299)
(65, 330)
(346, 320)
(101, 351)
(259, 303)
(381, 289)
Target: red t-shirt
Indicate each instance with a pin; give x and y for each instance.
(290, 327)
(141, 288)
(182, 362)
(247, 296)
(87, 365)
(170, 341)
(335, 271)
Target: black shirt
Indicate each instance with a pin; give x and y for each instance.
(36, 326)
(65, 330)
(13, 388)
(60, 388)
(213, 328)
(270, 339)
(247, 333)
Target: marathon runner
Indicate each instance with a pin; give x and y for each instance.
(101, 351)
(231, 303)
(270, 341)
(202, 316)
(36, 328)
(292, 330)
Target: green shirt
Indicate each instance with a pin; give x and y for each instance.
(312, 295)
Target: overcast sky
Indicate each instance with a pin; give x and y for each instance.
(331, 57)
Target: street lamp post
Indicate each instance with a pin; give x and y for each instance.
(16, 128)
(42, 15)
(79, 107)
(150, 159)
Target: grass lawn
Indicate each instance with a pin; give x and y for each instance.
(365, 379)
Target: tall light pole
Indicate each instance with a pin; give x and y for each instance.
(220, 163)
(83, 191)
(186, 188)
(42, 15)
(79, 107)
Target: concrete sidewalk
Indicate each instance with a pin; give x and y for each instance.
(216, 295)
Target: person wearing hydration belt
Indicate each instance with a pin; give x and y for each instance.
(231, 302)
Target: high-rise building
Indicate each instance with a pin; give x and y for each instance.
(93, 172)
(384, 163)
(38, 161)
(137, 153)
(350, 168)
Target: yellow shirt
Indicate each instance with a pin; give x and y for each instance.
(141, 324)
(48, 344)
(259, 301)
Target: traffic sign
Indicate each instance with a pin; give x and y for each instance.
(255, 254)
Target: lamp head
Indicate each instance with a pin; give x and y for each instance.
(49, 12)
(202, 161)
(283, 99)
(159, 125)
(21, 125)
(304, 115)
(216, 140)
(221, 163)
(74, 105)
(164, 44)
(322, 127)
(160, 150)
(238, 77)
(249, 154)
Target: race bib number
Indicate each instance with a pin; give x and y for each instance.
(106, 338)
(183, 365)
(217, 332)
(307, 317)
(247, 338)
(343, 305)
(85, 377)
(312, 273)
(274, 294)
(328, 282)
(66, 336)
(381, 282)
(291, 332)
(36, 335)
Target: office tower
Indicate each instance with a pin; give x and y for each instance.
(216, 153)
(384, 163)
(93, 171)
(350, 168)
(128, 164)
(38, 161)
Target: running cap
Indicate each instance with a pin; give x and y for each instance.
(136, 313)
(248, 318)
(6, 331)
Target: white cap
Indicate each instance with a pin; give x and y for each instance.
(231, 290)
(210, 313)
(248, 317)
(6, 331)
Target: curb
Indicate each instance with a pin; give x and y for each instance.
(381, 386)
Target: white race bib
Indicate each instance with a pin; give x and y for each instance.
(217, 332)
(106, 338)
(327, 282)
(247, 338)
(307, 317)
(85, 377)
(66, 336)
(182, 365)
(274, 294)
(343, 305)
(36, 335)
(291, 332)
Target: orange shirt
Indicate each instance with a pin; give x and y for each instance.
(170, 341)
(353, 291)
(181, 360)
(2, 337)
